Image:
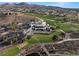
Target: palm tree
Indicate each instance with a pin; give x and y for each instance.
(16, 37)
(11, 42)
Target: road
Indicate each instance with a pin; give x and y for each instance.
(45, 50)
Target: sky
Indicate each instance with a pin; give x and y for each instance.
(59, 4)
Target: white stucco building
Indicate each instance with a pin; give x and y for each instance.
(40, 27)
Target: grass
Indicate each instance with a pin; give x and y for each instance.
(36, 39)
(40, 38)
(10, 51)
(53, 21)
(13, 51)
(67, 27)
(70, 27)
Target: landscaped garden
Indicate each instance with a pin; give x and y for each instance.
(58, 26)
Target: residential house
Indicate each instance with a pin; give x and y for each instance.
(40, 27)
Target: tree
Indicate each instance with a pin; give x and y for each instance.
(55, 38)
(62, 35)
(50, 12)
(28, 37)
(13, 26)
(2, 15)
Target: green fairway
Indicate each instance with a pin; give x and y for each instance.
(58, 23)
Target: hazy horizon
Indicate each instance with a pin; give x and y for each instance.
(58, 4)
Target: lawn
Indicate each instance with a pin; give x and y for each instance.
(40, 38)
(10, 51)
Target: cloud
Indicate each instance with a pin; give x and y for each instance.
(60, 4)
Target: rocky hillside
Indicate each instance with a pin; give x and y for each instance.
(70, 47)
